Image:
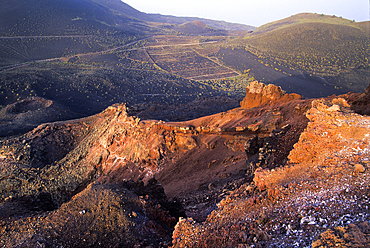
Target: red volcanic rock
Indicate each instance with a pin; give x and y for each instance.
(333, 129)
(318, 195)
(348, 236)
(259, 94)
(231, 171)
(334, 136)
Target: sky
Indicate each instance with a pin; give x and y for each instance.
(253, 12)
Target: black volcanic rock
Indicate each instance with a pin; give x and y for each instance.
(24, 115)
(109, 215)
(361, 103)
(187, 111)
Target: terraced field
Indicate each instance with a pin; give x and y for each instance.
(166, 69)
(186, 57)
(91, 72)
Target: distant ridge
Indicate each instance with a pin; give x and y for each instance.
(213, 23)
(121, 7)
(304, 18)
(61, 17)
(331, 48)
(85, 17)
(196, 28)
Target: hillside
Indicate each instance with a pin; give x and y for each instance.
(304, 18)
(331, 49)
(90, 89)
(196, 28)
(222, 25)
(97, 50)
(84, 17)
(70, 52)
(277, 169)
(125, 129)
(70, 17)
(42, 29)
(332, 57)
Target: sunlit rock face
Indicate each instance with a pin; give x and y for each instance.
(260, 175)
(259, 94)
(322, 191)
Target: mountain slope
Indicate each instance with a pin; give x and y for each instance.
(43, 41)
(196, 28)
(340, 45)
(275, 169)
(121, 7)
(333, 50)
(81, 17)
(213, 23)
(70, 17)
(337, 51)
(304, 18)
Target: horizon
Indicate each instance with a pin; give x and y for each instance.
(249, 12)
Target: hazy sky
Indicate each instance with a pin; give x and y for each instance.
(253, 12)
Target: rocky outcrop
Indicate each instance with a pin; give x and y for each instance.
(259, 94)
(335, 129)
(63, 157)
(273, 172)
(335, 136)
(321, 194)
